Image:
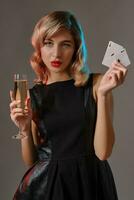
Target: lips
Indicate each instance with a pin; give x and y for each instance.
(56, 63)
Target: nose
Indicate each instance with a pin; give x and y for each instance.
(56, 53)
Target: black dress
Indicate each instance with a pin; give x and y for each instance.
(68, 168)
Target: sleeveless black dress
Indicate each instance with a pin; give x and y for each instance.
(67, 168)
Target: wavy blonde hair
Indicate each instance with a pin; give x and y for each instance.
(47, 26)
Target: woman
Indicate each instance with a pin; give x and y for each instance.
(67, 127)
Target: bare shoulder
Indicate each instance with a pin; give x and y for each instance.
(96, 82)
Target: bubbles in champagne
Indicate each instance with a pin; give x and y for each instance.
(20, 91)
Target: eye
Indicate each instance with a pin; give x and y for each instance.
(48, 43)
(65, 45)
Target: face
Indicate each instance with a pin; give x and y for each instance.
(57, 51)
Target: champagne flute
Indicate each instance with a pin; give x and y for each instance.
(20, 93)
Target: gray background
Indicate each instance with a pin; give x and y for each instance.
(102, 21)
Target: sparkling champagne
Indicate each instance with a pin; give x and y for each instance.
(20, 91)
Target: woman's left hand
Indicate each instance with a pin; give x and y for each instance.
(114, 77)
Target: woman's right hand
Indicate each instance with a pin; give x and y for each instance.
(22, 119)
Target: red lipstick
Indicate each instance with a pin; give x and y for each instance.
(56, 63)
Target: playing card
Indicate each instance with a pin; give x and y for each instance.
(115, 52)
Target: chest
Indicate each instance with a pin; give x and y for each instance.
(63, 109)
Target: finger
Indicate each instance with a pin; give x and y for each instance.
(17, 110)
(115, 71)
(12, 95)
(120, 66)
(112, 73)
(28, 105)
(123, 70)
(16, 117)
(14, 104)
(119, 73)
(114, 78)
(27, 111)
(117, 63)
(28, 102)
(120, 78)
(109, 70)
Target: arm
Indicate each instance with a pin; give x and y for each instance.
(28, 145)
(29, 130)
(103, 85)
(104, 133)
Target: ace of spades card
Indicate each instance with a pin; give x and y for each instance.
(115, 52)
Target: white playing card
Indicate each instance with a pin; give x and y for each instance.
(115, 52)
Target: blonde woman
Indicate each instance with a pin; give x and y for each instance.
(67, 127)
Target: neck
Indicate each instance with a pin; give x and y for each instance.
(58, 77)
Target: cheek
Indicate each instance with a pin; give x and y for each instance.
(43, 52)
(70, 55)
(44, 55)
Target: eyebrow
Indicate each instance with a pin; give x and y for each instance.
(68, 41)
